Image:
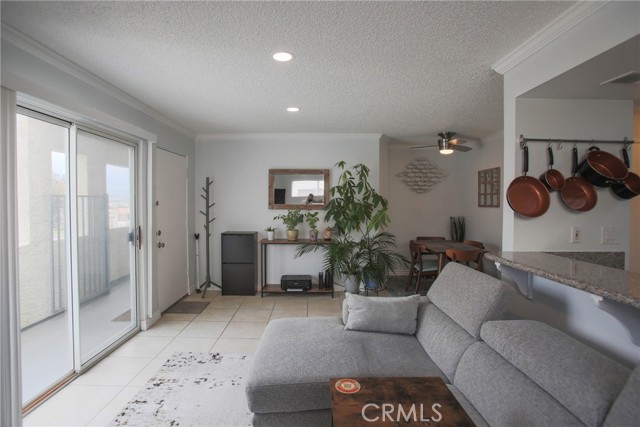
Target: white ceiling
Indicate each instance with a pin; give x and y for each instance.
(405, 69)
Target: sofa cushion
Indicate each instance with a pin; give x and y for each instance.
(469, 297)
(443, 339)
(458, 302)
(626, 409)
(381, 314)
(468, 407)
(503, 395)
(583, 380)
(296, 358)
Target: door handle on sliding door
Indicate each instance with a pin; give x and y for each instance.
(139, 237)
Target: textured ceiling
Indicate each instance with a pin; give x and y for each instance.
(406, 69)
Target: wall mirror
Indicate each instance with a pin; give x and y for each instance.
(298, 188)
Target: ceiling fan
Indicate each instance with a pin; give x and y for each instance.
(447, 144)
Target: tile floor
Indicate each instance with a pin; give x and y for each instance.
(228, 324)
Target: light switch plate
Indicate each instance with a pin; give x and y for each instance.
(576, 234)
(609, 235)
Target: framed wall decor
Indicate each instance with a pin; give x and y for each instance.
(489, 188)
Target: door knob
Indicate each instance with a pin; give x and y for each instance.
(160, 245)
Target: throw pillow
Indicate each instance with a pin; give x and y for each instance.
(382, 314)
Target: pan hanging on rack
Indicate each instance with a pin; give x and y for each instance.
(527, 195)
(552, 178)
(602, 169)
(630, 186)
(578, 194)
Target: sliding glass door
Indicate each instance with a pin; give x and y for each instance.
(43, 218)
(105, 205)
(77, 260)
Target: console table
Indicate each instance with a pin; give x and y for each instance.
(275, 288)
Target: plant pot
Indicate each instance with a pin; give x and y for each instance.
(313, 235)
(351, 285)
(292, 235)
(371, 284)
(271, 235)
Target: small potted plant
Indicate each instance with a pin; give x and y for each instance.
(271, 232)
(312, 220)
(291, 220)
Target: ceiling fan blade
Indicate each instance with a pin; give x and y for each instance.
(422, 146)
(462, 148)
(456, 141)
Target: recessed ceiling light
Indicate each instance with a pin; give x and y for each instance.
(282, 56)
(293, 109)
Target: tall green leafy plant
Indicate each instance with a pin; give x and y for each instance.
(360, 248)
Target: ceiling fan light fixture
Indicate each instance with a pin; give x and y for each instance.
(444, 147)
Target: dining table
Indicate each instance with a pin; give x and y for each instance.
(439, 248)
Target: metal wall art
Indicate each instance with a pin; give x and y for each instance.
(420, 175)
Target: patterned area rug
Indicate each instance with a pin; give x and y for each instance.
(193, 389)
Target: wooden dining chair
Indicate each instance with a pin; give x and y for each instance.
(474, 243)
(420, 267)
(466, 257)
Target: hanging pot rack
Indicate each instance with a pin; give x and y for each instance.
(523, 141)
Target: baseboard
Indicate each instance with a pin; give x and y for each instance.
(148, 323)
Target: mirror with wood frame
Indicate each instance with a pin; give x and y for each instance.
(298, 188)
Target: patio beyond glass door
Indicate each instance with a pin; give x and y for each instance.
(105, 205)
(77, 259)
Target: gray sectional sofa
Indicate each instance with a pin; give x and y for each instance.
(503, 372)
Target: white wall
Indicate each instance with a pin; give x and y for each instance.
(239, 167)
(423, 214)
(572, 119)
(483, 224)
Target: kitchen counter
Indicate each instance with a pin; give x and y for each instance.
(610, 283)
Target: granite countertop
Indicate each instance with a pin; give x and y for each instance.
(617, 285)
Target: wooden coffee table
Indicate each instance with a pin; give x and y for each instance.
(395, 401)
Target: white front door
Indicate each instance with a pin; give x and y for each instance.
(171, 228)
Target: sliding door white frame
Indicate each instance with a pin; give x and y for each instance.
(10, 386)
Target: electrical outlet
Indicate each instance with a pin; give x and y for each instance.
(576, 234)
(609, 235)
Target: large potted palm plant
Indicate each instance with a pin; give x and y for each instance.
(360, 251)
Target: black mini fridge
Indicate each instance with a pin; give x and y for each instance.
(239, 262)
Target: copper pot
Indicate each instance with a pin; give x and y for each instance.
(602, 169)
(552, 178)
(578, 194)
(526, 195)
(630, 186)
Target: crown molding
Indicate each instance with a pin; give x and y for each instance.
(214, 137)
(556, 28)
(32, 47)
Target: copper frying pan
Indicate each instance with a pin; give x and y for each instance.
(630, 186)
(552, 178)
(526, 195)
(578, 194)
